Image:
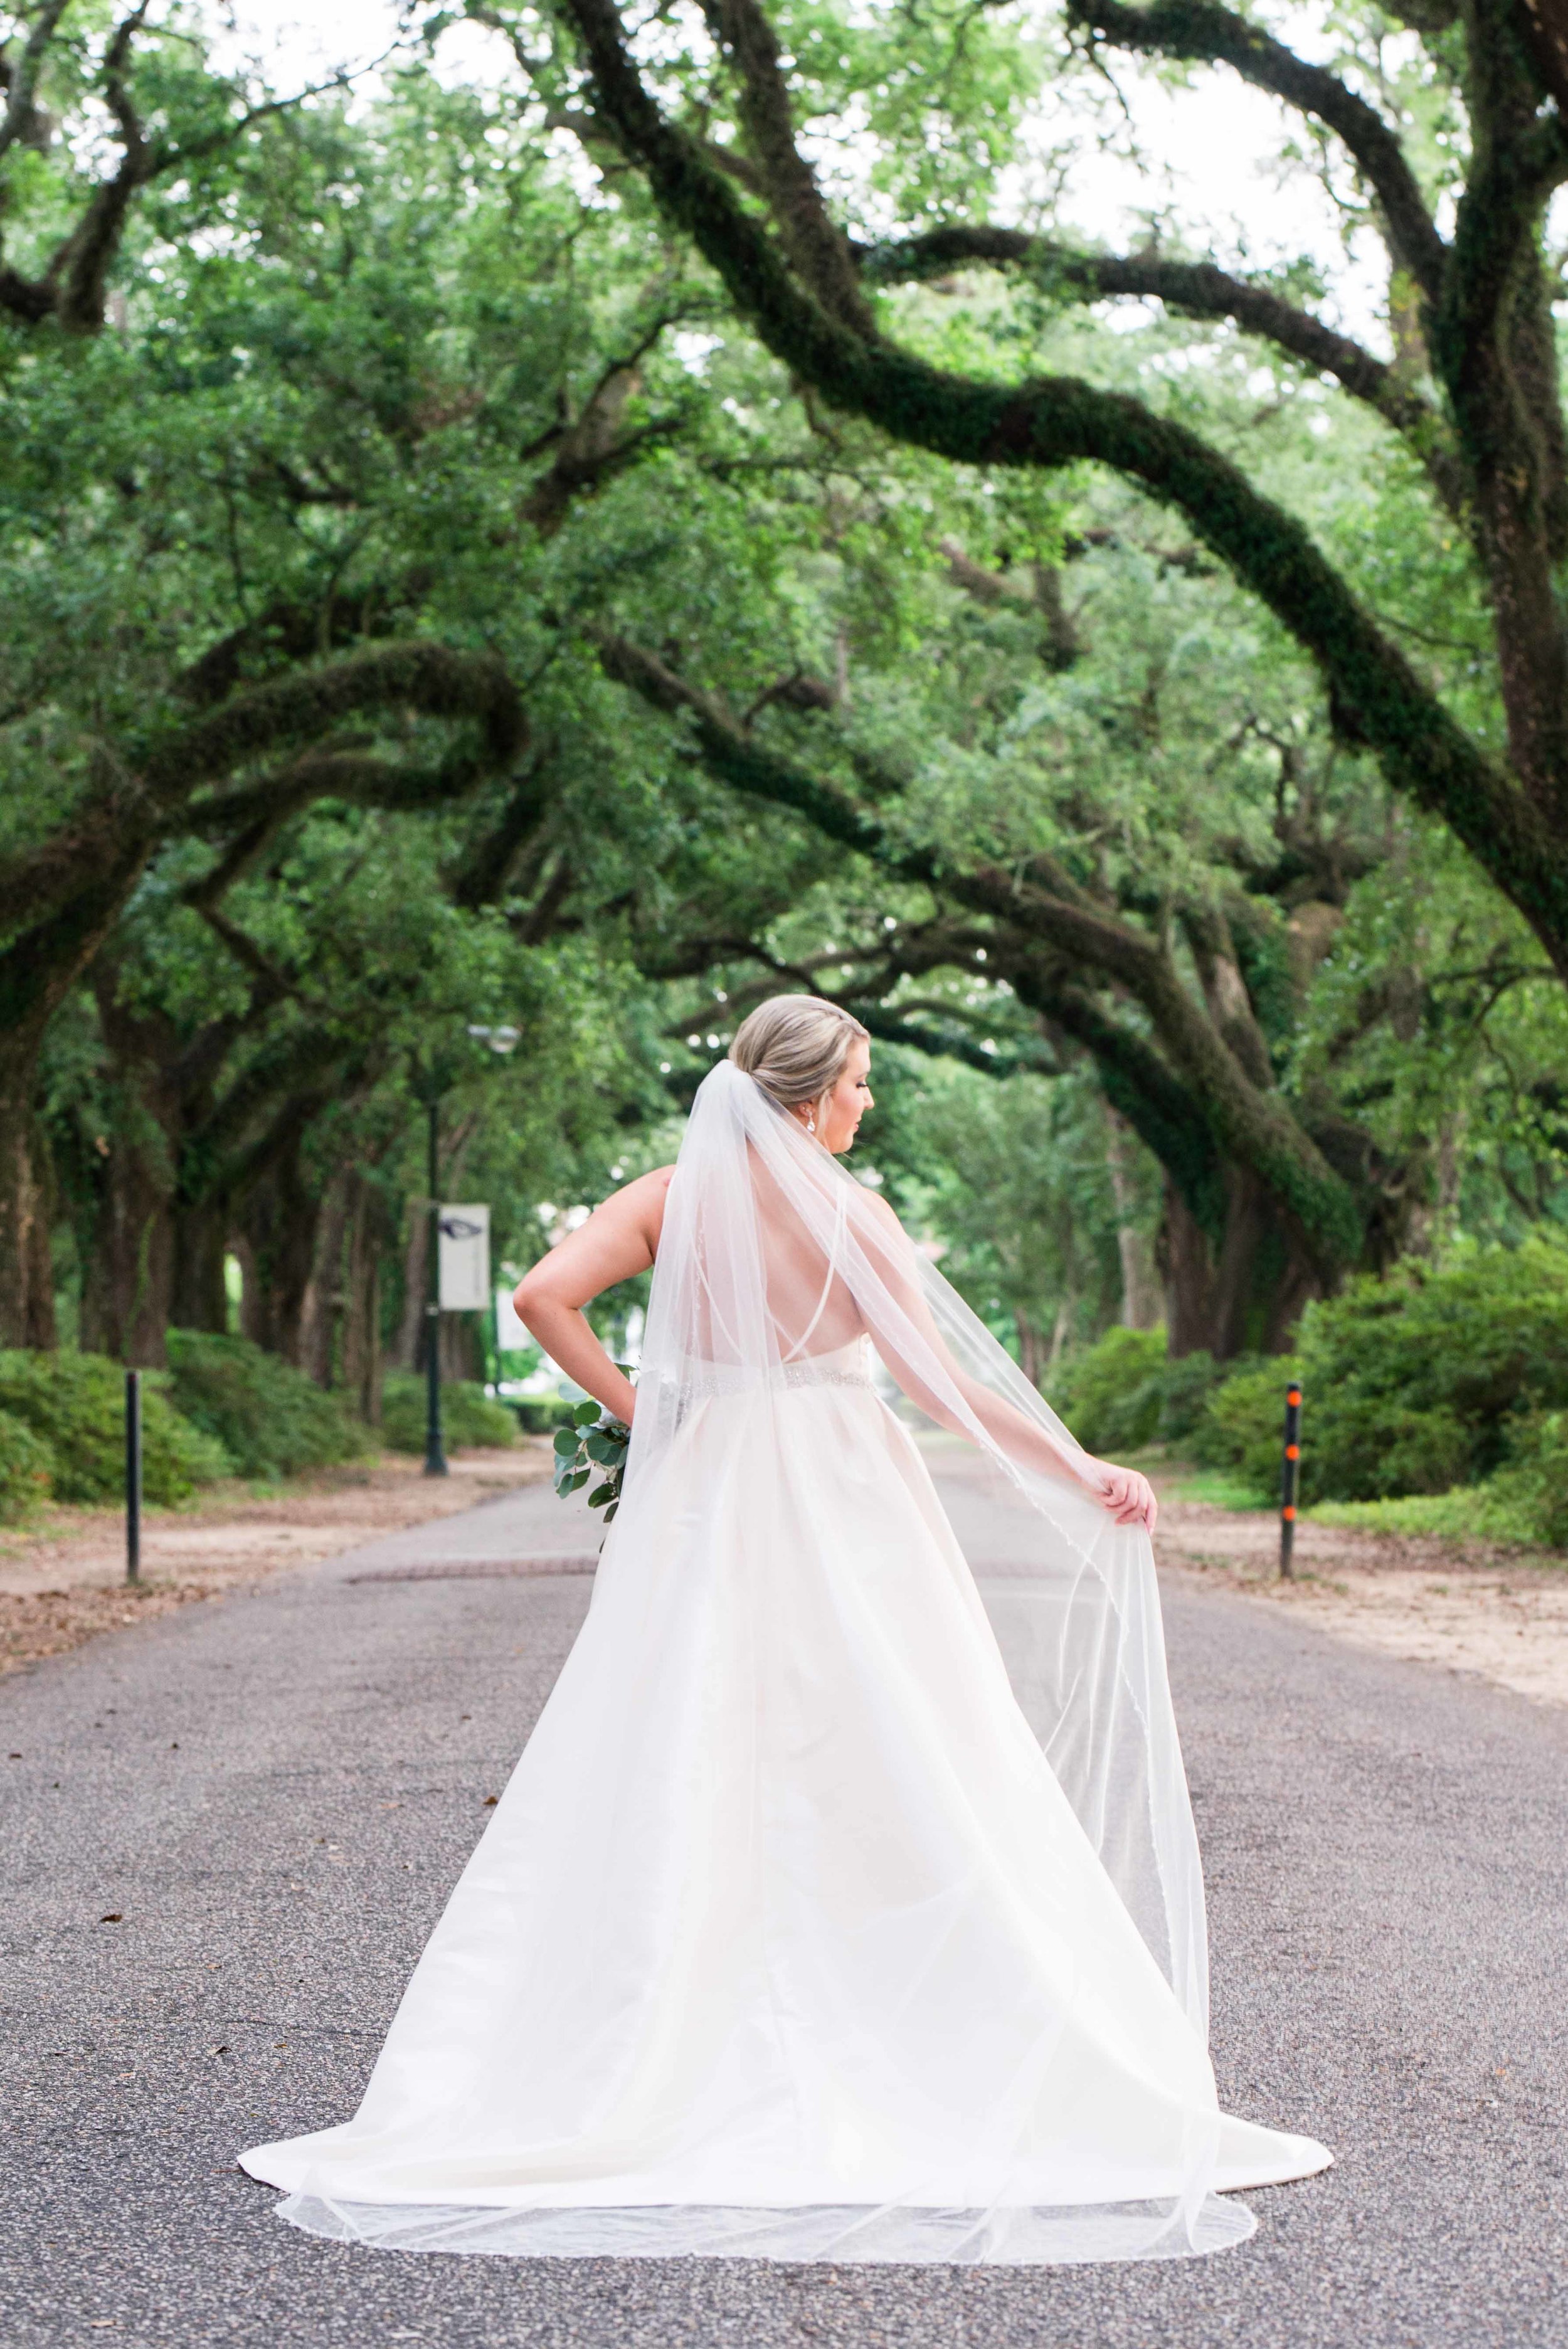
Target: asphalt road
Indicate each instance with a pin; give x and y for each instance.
(272, 1796)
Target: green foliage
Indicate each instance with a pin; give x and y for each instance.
(1242, 1428)
(27, 1468)
(1107, 1395)
(1435, 1377)
(1125, 1393)
(75, 1404)
(1525, 1502)
(270, 1418)
(593, 1445)
(1013, 1174)
(1532, 1489)
(470, 1417)
(345, 352)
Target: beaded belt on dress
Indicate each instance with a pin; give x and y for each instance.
(726, 1379)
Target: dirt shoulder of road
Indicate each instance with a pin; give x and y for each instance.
(1470, 1607)
(62, 1575)
(1502, 1614)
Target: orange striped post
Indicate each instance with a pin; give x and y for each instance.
(1291, 1478)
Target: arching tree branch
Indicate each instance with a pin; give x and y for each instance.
(812, 239)
(1198, 290)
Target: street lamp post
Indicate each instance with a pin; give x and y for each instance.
(500, 1040)
(435, 1451)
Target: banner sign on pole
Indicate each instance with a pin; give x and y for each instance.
(465, 1274)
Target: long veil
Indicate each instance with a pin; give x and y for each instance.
(784, 1942)
(770, 1251)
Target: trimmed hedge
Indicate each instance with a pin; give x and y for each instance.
(270, 1418)
(468, 1415)
(74, 1404)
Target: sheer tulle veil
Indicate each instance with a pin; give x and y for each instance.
(784, 1941)
(771, 1250)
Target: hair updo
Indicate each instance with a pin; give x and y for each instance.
(795, 1046)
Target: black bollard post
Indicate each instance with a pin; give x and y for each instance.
(1290, 1479)
(133, 1475)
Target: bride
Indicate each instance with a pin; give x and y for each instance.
(802, 1931)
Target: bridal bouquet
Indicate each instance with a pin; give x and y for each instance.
(594, 1441)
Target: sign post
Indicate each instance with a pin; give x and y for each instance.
(435, 1451)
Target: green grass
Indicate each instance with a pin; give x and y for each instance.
(1219, 1488)
(1467, 1513)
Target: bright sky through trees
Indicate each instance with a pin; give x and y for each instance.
(1209, 164)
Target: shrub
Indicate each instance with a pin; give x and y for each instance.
(1431, 1378)
(271, 1419)
(542, 1415)
(1242, 1427)
(1531, 1491)
(75, 1404)
(27, 1468)
(1125, 1392)
(468, 1415)
(1104, 1394)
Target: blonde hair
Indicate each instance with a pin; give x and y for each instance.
(795, 1046)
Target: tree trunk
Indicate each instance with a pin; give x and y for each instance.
(322, 1305)
(278, 1220)
(462, 1356)
(128, 1282)
(1031, 1347)
(26, 1282)
(1244, 1296)
(408, 1352)
(200, 1294)
(1139, 1291)
(361, 1314)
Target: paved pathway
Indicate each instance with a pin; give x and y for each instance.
(273, 1796)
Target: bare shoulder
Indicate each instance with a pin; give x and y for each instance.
(642, 1202)
(880, 1210)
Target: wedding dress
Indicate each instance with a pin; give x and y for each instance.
(790, 1937)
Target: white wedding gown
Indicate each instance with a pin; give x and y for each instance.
(784, 1940)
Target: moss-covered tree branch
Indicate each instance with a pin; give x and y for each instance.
(1197, 289)
(1377, 697)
